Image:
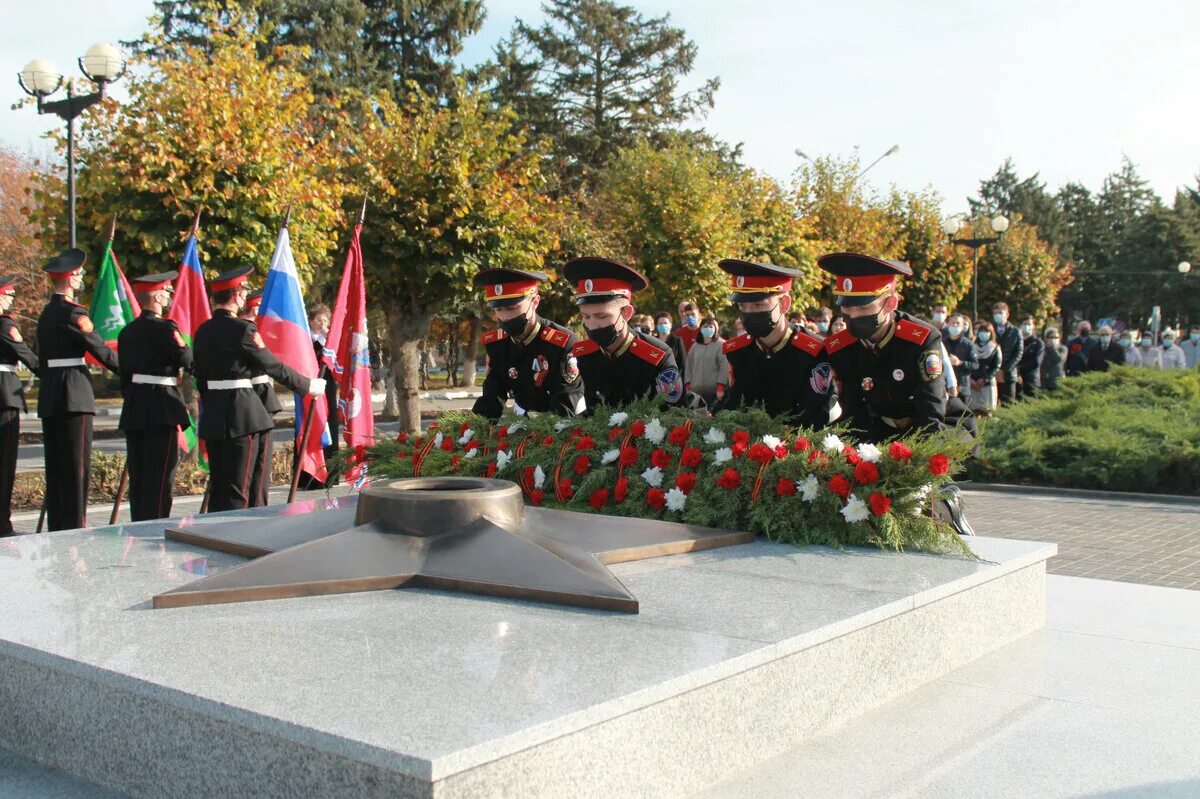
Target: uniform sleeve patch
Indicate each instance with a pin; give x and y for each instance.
(85, 323)
(931, 365)
(669, 384)
(570, 369)
(14, 334)
(820, 380)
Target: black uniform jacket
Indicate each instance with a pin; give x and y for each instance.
(65, 331)
(228, 348)
(13, 349)
(642, 366)
(794, 381)
(540, 373)
(151, 345)
(893, 386)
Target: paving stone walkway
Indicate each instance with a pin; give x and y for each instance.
(1106, 539)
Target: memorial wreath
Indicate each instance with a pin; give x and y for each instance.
(738, 471)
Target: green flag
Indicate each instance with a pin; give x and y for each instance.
(113, 303)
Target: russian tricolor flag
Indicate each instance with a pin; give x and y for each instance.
(283, 323)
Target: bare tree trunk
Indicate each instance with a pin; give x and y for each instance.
(472, 353)
(391, 409)
(405, 330)
(452, 357)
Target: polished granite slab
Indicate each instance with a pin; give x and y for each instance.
(432, 686)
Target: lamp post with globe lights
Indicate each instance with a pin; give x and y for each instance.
(951, 228)
(102, 64)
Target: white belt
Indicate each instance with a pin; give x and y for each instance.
(61, 363)
(260, 380)
(7, 367)
(226, 385)
(156, 380)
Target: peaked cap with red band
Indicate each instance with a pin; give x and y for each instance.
(600, 280)
(859, 279)
(65, 263)
(148, 283)
(8, 284)
(230, 280)
(752, 281)
(505, 287)
(254, 300)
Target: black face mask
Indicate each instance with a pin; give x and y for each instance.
(759, 324)
(866, 326)
(515, 326)
(604, 336)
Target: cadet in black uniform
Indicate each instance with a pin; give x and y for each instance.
(888, 362)
(228, 352)
(620, 364)
(784, 372)
(529, 358)
(12, 397)
(66, 402)
(264, 387)
(152, 353)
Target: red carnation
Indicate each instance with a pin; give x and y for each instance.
(685, 481)
(660, 458)
(729, 479)
(585, 443)
(622, 489)
(813, 455)
(503, 431)
(739, 448)
(637, 429)
(629, 456)
(615, 433)
(781, 451)
(403, 455)
(851, 455)
(899, 452)
(527, 475)
(939, 465)
(880, 503)
(801, 444)
(448, 444)
(491, 470)
(536, 496)
(402, 438)
(679, 436)
(454, 462)
(691, 458)
(472, 446)
(761, 454)
(785, 487)
(598, 498)
(547, 441)
(866, 473)
(464, 427)
(656, 499)
(741, 436)
(502, 446)
(840, 486)
(565, 487)
(582, 464)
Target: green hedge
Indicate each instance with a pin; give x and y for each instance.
(1122, 430)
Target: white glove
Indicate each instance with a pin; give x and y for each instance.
(316, 386)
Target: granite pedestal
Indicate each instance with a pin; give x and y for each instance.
(736, 655)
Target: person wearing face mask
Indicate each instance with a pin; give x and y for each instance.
(1012, 347)
(889, 364)
(153, 412)
(529, 357)
(689, 324)
(1032, 353)
(1079, 348)
(1191, 347)
(1054, 360)
(1129, 342)
(983, 379)
(707, 368)
(66, 401)
(781, 370)
(938, 317)
(961, 353)
(643, 323)
(1172, 354)
(618, 364)
(13, 350)
(1107, 352)
(662, 332)
(1149, 356)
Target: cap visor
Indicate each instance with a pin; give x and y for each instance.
(753, 296)
(850, 302)
(507, 302)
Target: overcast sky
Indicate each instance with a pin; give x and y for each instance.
(1064, 87)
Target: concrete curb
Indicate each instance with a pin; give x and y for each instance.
(1084, 493)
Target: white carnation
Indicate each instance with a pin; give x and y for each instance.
(809, 488)
(832, 443)
(869, 453)
(772, 441)
(502, 459)
(655, 432)
(471, 453)
(722, 455)
(515, 427)
(653, 476)
(676, 499)
(561, 426)
(856, 510)
(920, 496)
(617, 419)
(714, 436)
(610, 456)
(539, 477)
(437, 441)
(466, 436)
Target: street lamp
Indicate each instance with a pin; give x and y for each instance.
(895, 148)
(952, 226)
(1184, 267)
(102, 64)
